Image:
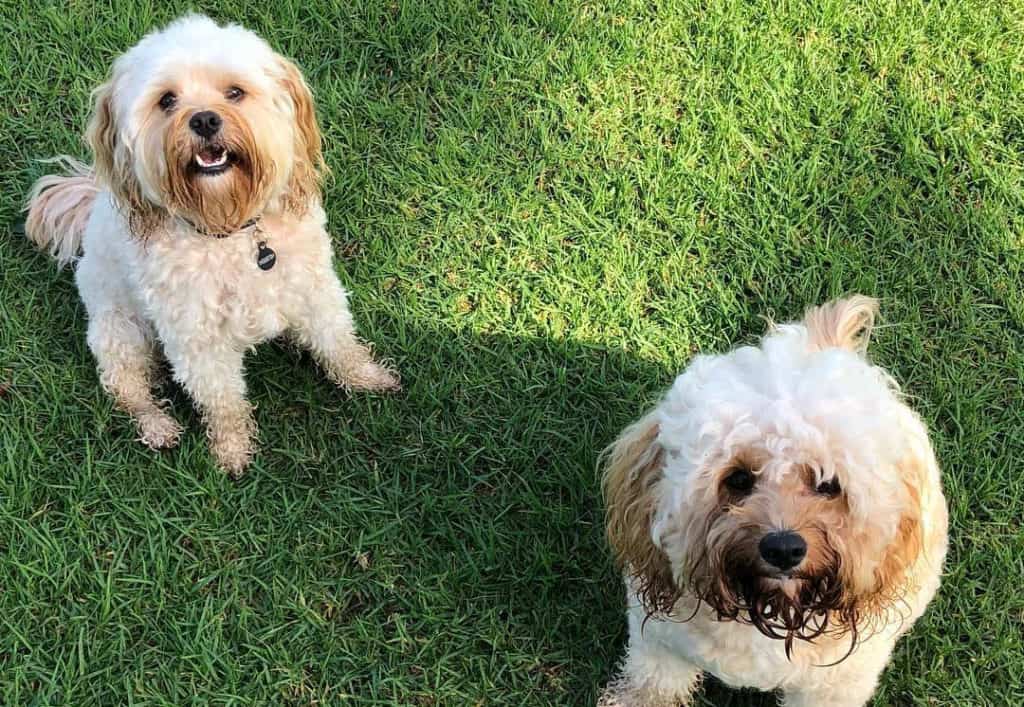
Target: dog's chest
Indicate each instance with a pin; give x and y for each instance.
(738, 655)
(244, 288)
(735, 653)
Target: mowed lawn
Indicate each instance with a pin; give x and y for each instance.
(542, 210)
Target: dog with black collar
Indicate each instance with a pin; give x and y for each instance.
(200, 229)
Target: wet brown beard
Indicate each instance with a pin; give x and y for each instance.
(820, 606)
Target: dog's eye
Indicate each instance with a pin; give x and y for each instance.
(830, 488)
(234, 93)
(740, 480)
(168, 100)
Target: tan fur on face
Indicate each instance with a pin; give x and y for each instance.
(894, 573)
(270, 166)
(736, 524)
(113, 165)
(223, 202)
(632, 472)
(727, 572)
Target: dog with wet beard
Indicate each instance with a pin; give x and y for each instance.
(779, 518)
(201, 229)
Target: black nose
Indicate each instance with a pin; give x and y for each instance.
(783, 550)
(205, 123)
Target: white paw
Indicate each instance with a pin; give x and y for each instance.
(371, 375)
(158, 430)
(232, 444)
(233, 456)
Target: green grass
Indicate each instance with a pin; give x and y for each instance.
(542, 209)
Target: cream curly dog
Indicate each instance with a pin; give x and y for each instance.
(201, 229)
(780, 519)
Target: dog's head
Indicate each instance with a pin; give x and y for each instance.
(780, 485)
(208, 123)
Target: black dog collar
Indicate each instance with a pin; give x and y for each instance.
(199, 229)
(265, 256)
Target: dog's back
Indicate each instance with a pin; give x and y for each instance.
(58, 209)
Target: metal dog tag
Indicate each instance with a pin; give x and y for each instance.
(265, 257)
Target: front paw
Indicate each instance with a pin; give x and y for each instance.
(614, 697)
(623, 692)
(157, 429)
(232, 444)
(372, 376)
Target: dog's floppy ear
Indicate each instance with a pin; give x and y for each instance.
(113, 164)
(895, 571)
(101, 134)
(843, 323)
(309, 167)
(633, 471)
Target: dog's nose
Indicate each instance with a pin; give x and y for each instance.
(205, 123)
(784, 550)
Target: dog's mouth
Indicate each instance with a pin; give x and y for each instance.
(774, 577)
(212, 160)
(793, 605)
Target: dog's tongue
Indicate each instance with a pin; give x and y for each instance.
(211, 157)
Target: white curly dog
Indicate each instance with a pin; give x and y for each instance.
(201, 228)
(780, 519)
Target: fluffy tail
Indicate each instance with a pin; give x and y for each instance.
(58, 208)
(842, 323)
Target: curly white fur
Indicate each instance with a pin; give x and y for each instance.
(802, 408)
(148, 277)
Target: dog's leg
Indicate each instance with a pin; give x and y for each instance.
(212, 375)
(652, 679)
(123, 349)
(852, 682)
(853, 693)
(325, 327)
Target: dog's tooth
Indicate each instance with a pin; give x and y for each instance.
(222, 159)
